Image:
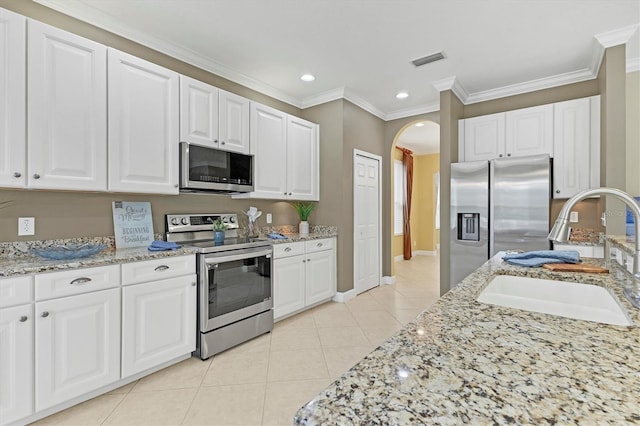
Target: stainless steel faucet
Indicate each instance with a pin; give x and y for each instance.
(561, 230)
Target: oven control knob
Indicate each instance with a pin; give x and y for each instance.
(225, 219)
(184, 221)
(232, 219)
(174, 221)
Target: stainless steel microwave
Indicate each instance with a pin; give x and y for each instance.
(208, 169)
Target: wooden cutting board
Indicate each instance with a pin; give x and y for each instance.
(570, 267)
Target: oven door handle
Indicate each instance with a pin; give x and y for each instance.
(243, 254)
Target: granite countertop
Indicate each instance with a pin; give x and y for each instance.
(463, 362)
(15, 258)
(291, 232)
(623, 242)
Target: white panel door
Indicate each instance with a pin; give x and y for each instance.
(571, 165)
(143, 126)
(198, 112)
(366, 180)
(234, 122)
(484, 137)
(269, 147)
(158, 323)
(320, 276)
(67, 110)
(13, 137)
(77, 343)
(16, 363)
(288, 285)
(302, 159)
(529, 131)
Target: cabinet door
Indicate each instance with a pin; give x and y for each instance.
(302, 159)
(198, 112)
(320, 276)
(288, 285)
(158, 323)
(77, 345)
(67, 110)
(13, 137)
(529, 131)
(484, 137)
(16, 363)
(143, 126)
(268, 144)
(234, 122)
(571, 163)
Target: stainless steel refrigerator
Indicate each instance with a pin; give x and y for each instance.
(502, 204)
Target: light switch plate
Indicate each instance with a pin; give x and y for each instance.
(269, 218)
(573, 217)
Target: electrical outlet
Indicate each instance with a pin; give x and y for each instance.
(269, 218)
(26, 226)
(573, 217)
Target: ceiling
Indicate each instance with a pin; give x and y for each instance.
(361, 50)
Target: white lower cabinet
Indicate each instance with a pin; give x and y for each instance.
(77, 345)
(584, 251)
(158, 323)
(304, 274)
(16, 362)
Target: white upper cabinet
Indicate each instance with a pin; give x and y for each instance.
(67, 110)
(484, 138)
(576, 166)
(212, 117)
(13, 138)
(234, 122)
(529, 131)
(143, 126)
(268, 144)
(302, 159)
(198, 112)
(286, 150)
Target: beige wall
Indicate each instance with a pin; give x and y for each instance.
(633, 133)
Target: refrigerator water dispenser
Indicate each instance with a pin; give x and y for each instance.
(468, 226)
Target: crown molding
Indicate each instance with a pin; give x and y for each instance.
(322, 98)
(410, 112)
(453, 84)
(363, 103)
(633, 65)
(616, 37)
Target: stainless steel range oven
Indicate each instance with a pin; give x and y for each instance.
(235, 291)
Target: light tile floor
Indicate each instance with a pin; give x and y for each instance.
(265, 380)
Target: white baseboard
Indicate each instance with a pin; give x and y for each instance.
(343, 297)
(398, 258)
(424, 253)
(387, 280)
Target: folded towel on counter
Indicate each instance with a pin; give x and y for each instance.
(277, 236)
(163, 246)
(541, 257)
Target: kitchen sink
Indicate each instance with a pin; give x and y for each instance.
(566, 299)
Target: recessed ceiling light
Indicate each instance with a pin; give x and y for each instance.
(402, 95)
(307, 77)
(419, 124)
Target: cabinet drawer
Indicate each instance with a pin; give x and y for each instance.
(289, 249)
(76, 281)
(158, 269)
(318, 245)
(16, 291)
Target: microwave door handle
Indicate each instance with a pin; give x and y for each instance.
(232, 257)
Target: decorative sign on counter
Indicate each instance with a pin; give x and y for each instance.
(132, 224)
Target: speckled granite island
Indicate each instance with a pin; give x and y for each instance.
(464, 362)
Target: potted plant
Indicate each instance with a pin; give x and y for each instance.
(304, 211)
(218, 230)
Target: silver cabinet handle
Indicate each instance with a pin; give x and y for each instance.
(308, 260)
(304, 261)
(319, 245)
(508, 155)
(23, 318)
(557, 191)
(215, 141)
(176, 185)
(80, 281)
(223, 142)
(500, 155)
(161, 268)
(17, 174)
(287, 249)
(36, 176)
(44, 314)
(193, 284)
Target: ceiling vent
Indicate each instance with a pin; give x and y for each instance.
(428, 59)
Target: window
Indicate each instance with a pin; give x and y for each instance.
(398, 197)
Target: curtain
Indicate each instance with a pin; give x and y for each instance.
(407, 162)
